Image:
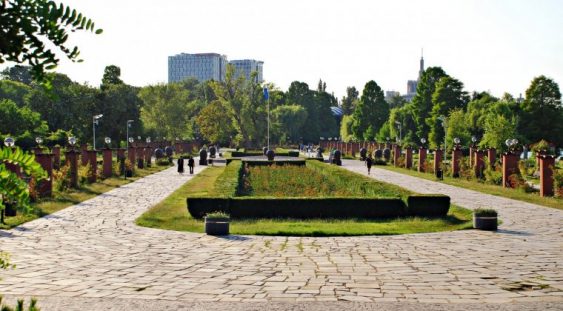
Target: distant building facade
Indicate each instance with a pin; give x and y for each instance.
(202, 66)
(245, 67)
(391, 94)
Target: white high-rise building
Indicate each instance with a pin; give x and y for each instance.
(202, 66)
(245, 67)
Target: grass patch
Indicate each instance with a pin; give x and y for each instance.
(172, 214)
(485, 188)
(61, 200)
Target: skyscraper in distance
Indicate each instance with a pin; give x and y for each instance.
(201, 66)
(245, 67)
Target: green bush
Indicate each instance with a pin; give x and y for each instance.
(277, 163)
(227, 184)
(292, 153)
(428, 205)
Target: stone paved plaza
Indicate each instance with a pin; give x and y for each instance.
(94, 253)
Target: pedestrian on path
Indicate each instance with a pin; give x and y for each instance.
(369, 163)
(181, 165)
(191, 164)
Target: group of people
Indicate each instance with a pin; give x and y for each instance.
(191, 164)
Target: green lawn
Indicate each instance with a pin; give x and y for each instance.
(172, 214)
(61, 200)
(485, 188)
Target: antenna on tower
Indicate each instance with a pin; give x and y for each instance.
(421, 52)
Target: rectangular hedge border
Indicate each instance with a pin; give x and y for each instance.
(304, 208)
(242, 154)
(428, 205)
(300, 208)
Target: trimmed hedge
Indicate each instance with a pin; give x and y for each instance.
(300, 208)
(428, 205)
(242, 154)
(292, 154)
(275, 162)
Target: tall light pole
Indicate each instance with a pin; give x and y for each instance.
(94, 123)
(400, 126)
(267, 97)
(128, 126)
(445, 125)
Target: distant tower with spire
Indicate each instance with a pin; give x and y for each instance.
(421, 70)
(412, 84)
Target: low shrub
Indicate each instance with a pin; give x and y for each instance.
(163, 162)
(227, 184)
(292, 153)
(217, 215)
(428, 205)
(276, 163)
(558, 183)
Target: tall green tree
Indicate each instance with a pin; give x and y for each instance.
(166, 110)
(349, 100)
(542, 112)
(25, 27)
(448, 95)
(112, 75)
(300, 94)
(422, 101)
(346, 129)
(214, 123)
(15, 91)
(497, 129)
(371, 111)
(288, 121)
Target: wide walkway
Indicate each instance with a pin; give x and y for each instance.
(95, 252)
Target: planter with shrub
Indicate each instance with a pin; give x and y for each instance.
(217, 223)
(485, 219)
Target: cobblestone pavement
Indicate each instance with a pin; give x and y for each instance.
(94, 250)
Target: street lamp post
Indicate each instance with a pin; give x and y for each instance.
(267, 97)
(128, 126)
(94, 123)
(445, 125)
(400, 127)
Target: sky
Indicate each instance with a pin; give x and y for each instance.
(489, 45)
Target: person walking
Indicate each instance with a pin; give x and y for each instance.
(191, 164)
(181, 165)
(369, 163)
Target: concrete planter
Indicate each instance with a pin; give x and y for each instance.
(488, 223)
(217, 226)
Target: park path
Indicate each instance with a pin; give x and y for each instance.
(93, 250)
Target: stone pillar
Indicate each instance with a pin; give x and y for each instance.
(547, 165)
(131, 155)
(438, 160)
(140, 152)
(408, 158)
(456, 159)
(492, 155)
(92, 154)
(56, 157)
(396, 155)
(509, 167)
(148, 156)
(72, 160)
(422, 159)
(479, 163)
(45, 186)
(108, 162)
(84, 154)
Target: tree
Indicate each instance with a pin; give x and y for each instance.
(17, 121)
(18, 73)
(372, 110)
(300, 94)
(422, 101)
(542, 112)
(497, 129)
(15, 91)
(346, 129)
(112, 75)
(25, 27)
(349, 101)
(166, 109)
(456, 127)
(214, 123)
(448, 95)
(397, 101)
(287, 121)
